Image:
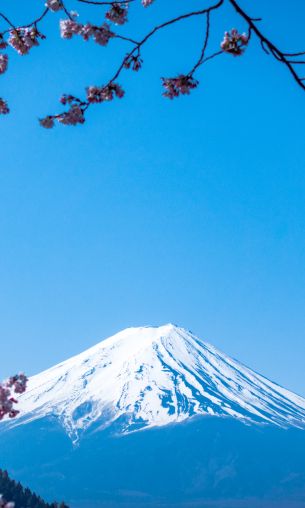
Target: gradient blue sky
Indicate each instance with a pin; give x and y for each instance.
(190, 211)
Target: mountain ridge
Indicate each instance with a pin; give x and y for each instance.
(144, 377)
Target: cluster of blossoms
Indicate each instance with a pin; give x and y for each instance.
(16, 384)
(54, 5)
(23, 39)
(133, 62)
(5, 504)
(180, 85)
(47, 122)
(74, 116)
(3, 63)
(234, 42)
(97, 94)
(4, 109)
(69, 27)
(100, 34)
(117, 14)
(70, 99)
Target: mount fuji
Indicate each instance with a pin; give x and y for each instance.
(151, 403)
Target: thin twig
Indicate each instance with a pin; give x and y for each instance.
(205, 44)
(278, 54)
(160, 27)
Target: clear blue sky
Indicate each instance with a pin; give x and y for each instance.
(190, 211)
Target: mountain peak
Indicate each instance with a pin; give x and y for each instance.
(152, 376)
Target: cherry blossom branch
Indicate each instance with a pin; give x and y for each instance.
(107, 92)
(33, 23)
(278, 54)
(23, 38)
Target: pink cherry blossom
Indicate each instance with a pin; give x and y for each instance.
(3, 63)
(180, 85)
(96, 94)
(69, 27)
(15, 384)
(23, 39)
(54, 5)
(4, 109)
(234, 42)
(146, 3)
(69, 99)
(74, 116)
(117, 13)
(47, 122)
(100, 34)
(18, 383)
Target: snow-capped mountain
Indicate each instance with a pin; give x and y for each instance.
(148, 378)
(151, 377)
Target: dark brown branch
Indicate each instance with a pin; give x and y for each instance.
(264, 48)
(279, 55)
(217, 53)
(117, 36)
(205, 44)
(290, 60)
(7, 20)
(295, 54)
(297, 62)
(33, 23)
(160, 27)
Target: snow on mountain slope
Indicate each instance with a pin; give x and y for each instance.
(147, 377)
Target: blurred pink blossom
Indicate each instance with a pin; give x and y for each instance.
(54, 5)
(180, 85)
(4, 109)
(117, 13)
(15, 384)
(97, 94)
(234, 42)
(3, 63)
(23, 39)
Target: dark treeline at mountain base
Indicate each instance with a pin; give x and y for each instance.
(22, 496)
